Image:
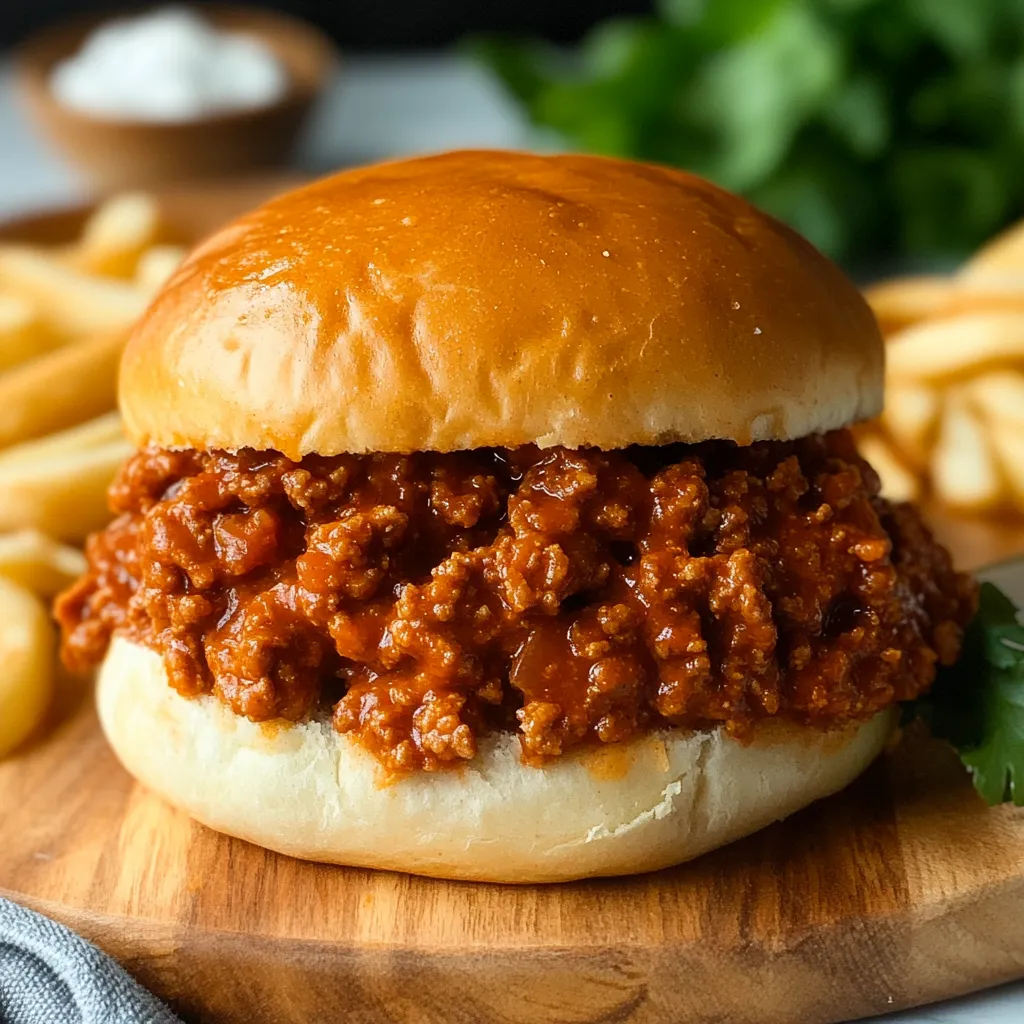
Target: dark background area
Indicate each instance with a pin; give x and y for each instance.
(374, 24)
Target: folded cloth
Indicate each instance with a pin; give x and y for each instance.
(50, 975)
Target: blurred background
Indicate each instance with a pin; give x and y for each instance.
(877, 127)
(363, 25)
(889, 132)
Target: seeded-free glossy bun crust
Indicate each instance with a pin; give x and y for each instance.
(491, 298)
(306, 791)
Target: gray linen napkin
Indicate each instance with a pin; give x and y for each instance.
(50, 975)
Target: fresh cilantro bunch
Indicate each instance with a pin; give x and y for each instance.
(978, 704)
(871, 126)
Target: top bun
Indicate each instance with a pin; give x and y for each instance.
(494, 299)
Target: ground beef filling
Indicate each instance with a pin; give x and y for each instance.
(574, 596)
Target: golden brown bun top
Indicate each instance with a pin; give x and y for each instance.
(495, 298)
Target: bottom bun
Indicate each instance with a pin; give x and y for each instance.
(309, 792)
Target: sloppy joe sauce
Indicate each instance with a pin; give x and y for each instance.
(574, 596)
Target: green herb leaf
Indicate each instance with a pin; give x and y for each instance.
(859, 114)
(964, 29)
(720, 23)
(757, 95)
(978, 704)
(918, 104)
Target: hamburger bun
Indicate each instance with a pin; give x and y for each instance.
(309, 792)
(475, 300)
(497, 299)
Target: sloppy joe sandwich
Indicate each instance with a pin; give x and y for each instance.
(495, 516)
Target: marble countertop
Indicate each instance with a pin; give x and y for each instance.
(376, 107)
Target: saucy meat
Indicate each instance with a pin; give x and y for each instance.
(574, 596)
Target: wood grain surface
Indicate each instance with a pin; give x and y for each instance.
(901, 890)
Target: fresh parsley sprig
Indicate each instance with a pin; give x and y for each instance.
(978, 703)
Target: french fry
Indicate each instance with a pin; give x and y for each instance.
(999, 397)
(910, 415)
(62, 388)
(898, 482)
(81, 437)
(943, 350)
(116, 235)
(156, 265)
(954, 411)
(981, 299)
(27, 643)
(1002, 259)
(965, 474)
(905, 300)
(38, 563)
(61, 492)
(994, 277)
(22, 336)
(1008, 443)
(70, 303)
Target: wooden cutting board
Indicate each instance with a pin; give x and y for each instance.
(901, 890)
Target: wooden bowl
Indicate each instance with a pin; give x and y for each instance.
(122, 153)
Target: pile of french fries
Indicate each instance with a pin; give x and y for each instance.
(64, 315)
(953, 425)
